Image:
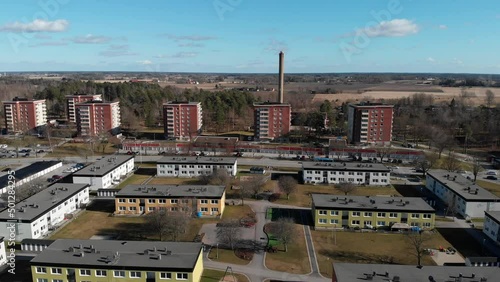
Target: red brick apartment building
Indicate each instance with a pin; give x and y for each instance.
(94, 118)
(182, 120)
(369, 123)
(24, 115)
(271, 120)
(72, 100)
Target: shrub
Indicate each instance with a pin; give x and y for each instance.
(274, 197)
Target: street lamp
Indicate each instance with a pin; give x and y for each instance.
(217, 257)
(334, 233)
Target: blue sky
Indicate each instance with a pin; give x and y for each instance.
(246, 35)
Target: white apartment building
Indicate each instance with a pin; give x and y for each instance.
(194, 166)
(106, 172)
(72, 100)
(461, 194)
(3, 253)
(357, 173)
(28, 174)
(492, 225)
(38, 214)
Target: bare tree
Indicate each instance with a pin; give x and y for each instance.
(476, 168)
(416, 242)
(452, 163)
(284, 231)
(451, 206)
(218, 177)
(490, 98)
(254, 186)
(441, 140)
(228, 232)
(346, 187)
(244, 190)
(166, 223)
(157, 221)
(383, 151)
(426, 163)
(287, 185)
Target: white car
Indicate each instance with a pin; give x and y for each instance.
(3, 146)
(491, 172)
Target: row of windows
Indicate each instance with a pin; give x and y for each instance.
(379, 214)
(342, 179)
(368, 223)
(172, 201)
(151, 209)
(348, 173)
(104, 273)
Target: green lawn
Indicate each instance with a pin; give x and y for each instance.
(226, 256)
(133, 179)
(492, 187)
(211, 275)
(174, 181)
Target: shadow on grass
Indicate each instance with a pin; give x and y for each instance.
(129, 231)
(465, 243)
(146, 171)
(350, 256)
(102, 205)
(300, 216)
(409, 190)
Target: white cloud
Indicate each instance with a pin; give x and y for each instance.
(37, 25)
(191, 44)
(145, 62)
(185, 55)
(393, 28)
(91, 39)
(49, 43)
(457, 61)
(430, 59)
(117, 50)
(276, 46)
(442, 26)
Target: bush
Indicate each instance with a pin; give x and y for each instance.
(274, 197)
(245, 254)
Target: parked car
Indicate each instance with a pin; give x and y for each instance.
(3, 146)
(40, 151)
(491, 172)
(50, 180)
(491, 177)
(56, 177)
(26, 155)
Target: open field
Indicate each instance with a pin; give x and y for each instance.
(492, 187)
(295, 260)
(133, 179)
(211, 275)
(226, 256)
(357, 247)
(302, 197)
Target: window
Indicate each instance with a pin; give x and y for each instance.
(132, 208)
(393, 215)
(84, 272)
(380, 223)
(182, 276)
(121, 208)
(100, 273)
(174, 201)
(131, 200)
(367, 223)
(203, 201)
(151, 209)
(415, 215)
(426, 224)
(42, 280)
(356, 214)
(135, 274)
(165, 275)
(41, 269)
(322, 221)
(55, 270)
(215, 209)
(322, 212)
(162, 201)
(427, 216)
(121, 200)
(204, 209)
(334, 212)
(119, 273)
(381, 214)
(151, 201)
(214, 201)
(368, 214)
(355, 222)
(334, 221)
(174, 209)
(57, 280)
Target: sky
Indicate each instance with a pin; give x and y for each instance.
(245, 36)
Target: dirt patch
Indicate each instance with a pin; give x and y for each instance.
(229, 278)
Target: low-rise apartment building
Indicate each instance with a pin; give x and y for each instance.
(338, 172)
(36, 215)
(492, 225)
(194, 166)
(199, 200)
(331, 211)
(114, 261)
(461, 195)
(106, 172)
(31, 172)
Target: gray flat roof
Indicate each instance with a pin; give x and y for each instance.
(372, 203)
(196, 160)
(125, 255)
(460, 186)
(495, 215)
(345, 166)
(42, 202)
(27, 171)
(349, 272)
(103, 166)
(171, 191)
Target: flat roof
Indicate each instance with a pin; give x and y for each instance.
(97, 102)
(371, 105)
(370, 203)
(181, 103)
(42, 202)
(171, 191)
(124, 255)
(196, 160)
(23, 99)
(345, 166)
(103, 166)
(495, 215)
(348, 272)
(27, 171)
(83, 95)
(43, 242)
(269, 103)
(463, 187)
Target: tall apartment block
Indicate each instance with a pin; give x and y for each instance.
(272, 120)
(182, 120)
(72, 100)
(369, 123)
(24, 115)
(94, 118)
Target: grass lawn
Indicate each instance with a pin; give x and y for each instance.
(237, 212)
(80, 150)
(133, 179)
(194, 228)
(226, 256)
(174, 180)
(295, 260)
(492, 187)
(302, 197)
(357, 247)
(212, 275)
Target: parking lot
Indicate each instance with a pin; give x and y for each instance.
(11, 152)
